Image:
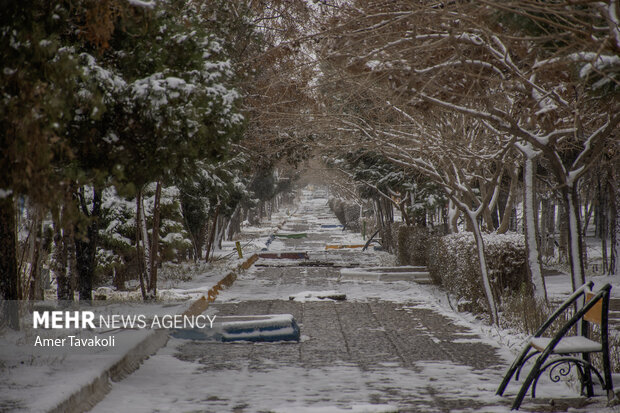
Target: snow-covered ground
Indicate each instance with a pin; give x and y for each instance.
(269, 384)
(37, 380)
(172, 380)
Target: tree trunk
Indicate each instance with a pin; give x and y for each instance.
(154, 251)
(86, 247)
(35, 289)
(389, 207)
(563, 225)
(614, 213)
(453, 217)
(212, 234)
(504, 225)
(484, 268)
(378, 213)
(139, 252)
(603, 210)
(235, 224)
(192, 237)
(145, 240)
(63, 252)
(469, 226)
(548, 228)
(69, 254)
(60, 264)
(9, 276)
(403, 213)
(487, 218)
(534, 266)
(221, 231)
(575, 256)
(590, 206)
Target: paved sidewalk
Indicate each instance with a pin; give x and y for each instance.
(388, 347)
(411, 358)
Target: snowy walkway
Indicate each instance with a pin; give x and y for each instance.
(388, 347)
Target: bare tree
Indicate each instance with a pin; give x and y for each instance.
(507, 64)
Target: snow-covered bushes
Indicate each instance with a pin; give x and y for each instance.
(352, 216)
(453, 263)
(174, 243)
(348, 213)
(335, 205)
(412, 245)
(116, 256)
(523, 312)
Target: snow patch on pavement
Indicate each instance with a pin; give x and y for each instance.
(356, 408)
(317, 296)
(186, 386)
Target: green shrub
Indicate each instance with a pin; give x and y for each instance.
(116, 255)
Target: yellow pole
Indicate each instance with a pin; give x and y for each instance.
(238, 245)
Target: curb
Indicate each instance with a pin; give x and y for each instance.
(92, 393)
(202, 303)
(272, 236)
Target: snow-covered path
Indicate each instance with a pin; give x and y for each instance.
(388, 347)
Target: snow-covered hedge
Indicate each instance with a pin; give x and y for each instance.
(412, 245)
(348, 213)
(453, 262)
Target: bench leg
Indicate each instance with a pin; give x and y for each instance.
(609, 383)
(516, 365)
(533, 375)
(586, 379)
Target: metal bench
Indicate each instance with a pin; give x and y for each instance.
(563, 351)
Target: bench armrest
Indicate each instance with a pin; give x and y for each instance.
(567, 303)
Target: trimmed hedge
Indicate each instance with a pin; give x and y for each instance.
(453, 263)
(348, 213)
(388, 237)
(336, 205)
(413, 245)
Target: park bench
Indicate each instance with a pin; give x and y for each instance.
(558, 353)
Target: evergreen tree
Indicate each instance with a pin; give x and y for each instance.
(37, 98)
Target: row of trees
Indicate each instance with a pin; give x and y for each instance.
(417, 102)
(99, 94)
(122, 121)
(479, 99)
